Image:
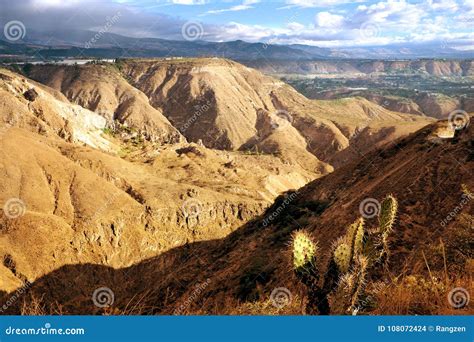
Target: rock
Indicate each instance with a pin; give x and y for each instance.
(30, 94)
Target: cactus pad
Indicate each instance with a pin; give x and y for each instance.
(304, 249)
(342, 257)
(388, 213)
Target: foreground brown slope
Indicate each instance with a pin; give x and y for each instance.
(78, 195)
(424, 172)
(228, 106)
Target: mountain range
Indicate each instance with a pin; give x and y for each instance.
(80, 43)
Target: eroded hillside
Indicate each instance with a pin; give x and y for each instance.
(114, 164)
(110, 201)
(429, 172)
(228, 106)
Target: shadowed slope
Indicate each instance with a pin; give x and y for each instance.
(424, 172)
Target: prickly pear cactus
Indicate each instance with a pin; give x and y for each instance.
(353, 256)
(360, 274)
(355, 236)
(388, 213)
(305, 267)
(304, 259)
(343, 256)
(304, 250)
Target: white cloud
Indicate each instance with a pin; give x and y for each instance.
(188, 2)
(444, 5)
(246, 4)
(328, 20)
(318, 3)
(294, 26)
(391, 21)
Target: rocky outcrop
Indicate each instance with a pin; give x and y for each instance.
(102, 89)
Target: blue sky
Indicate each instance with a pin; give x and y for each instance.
(315, 22)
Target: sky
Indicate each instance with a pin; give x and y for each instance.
(325, 23)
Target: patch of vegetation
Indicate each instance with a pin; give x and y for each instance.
(341, 288)
(108, 131)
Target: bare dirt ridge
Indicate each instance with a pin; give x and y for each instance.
(228, 106)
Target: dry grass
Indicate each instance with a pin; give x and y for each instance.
(421, 295)
(33, 307)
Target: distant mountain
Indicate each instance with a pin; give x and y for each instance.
(405, 51)
(77, 43)
(438, 68)
(80, 43)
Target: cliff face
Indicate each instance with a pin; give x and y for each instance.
(102, 89)
(434, 105)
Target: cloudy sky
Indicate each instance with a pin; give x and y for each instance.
(324, 23)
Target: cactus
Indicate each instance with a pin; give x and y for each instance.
(359, 236)
(343, 256)
(353, 256)
(304, 258)
(347, 248)
(304, 250)
(388, 212)
(305, 267)
(347, 297)
(360, 274)
(354, 237)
